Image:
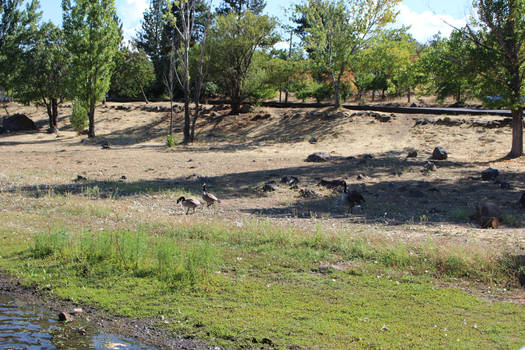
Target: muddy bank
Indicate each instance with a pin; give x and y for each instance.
(147, 331)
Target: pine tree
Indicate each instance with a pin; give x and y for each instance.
(239, 6)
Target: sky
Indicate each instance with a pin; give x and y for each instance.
(426, 17)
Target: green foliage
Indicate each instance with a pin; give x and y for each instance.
(79, 116)
(170, 141)
(92, 37)
(133, 74)
(334, 32)
(449, 69)
(233, 41)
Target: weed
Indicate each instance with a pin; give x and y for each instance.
(170, 141)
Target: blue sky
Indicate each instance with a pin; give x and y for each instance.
(426, 17)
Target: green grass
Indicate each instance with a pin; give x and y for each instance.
(239, 286)
(258, 282)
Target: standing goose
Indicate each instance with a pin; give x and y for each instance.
(189, 203)
(351, 199)
(208, 197)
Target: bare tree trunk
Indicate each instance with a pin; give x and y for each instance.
(171, 115)
(144, 95)
(91, 115)
(187, 136)
(288, 81)
(517, 133)
(409, 95)
(373, 95)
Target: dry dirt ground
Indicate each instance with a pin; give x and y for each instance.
(236, 155)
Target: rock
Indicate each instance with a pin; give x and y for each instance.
(18, 122)
(360, 177)
(123, 177)
(65, 317)
(383, 118)
(331, 183)
(290, 180)
(105, 145)
(318, 157)
(489, 174)
(486, 211)
(307, 193)
(414, 105)
(430, 166)
(76, 311)
(262, 117)
(439, 153)
(270, 186)
(313, 140)
(522, 200)
(367, 156)
(412, 154)
(80, 177)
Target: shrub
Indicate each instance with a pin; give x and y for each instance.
(79, 116)
(170, 141)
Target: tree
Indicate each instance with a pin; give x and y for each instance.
(17, 28)
(151, 40)
(133, 73)
(334, 31)
(239, 6)
(92, 35)
(233, 42)
(499, 34)
(43, 73)
(449, 68)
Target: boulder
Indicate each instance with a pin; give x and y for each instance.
(270, 186)
(489, 174)
(318, 157)
(412, 154)
(439, 153)
(18, 122)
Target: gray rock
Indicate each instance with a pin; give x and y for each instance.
(313, 140)
(360, 177)
(270, 186)
(489, 174)
(80, 177)
(430, 166)
(307, 193)
(439, 153)
(290, 180)
(412, 154)
(318, 157)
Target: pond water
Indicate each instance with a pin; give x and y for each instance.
(35, 327)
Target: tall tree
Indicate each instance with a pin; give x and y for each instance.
(499, 34)
(43, 72)
(336, 30)
(17, 28)
(92, 35)
(151, 39)
(239, 6)
(233, 42)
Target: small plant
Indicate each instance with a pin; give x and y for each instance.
(79, 117)
(170, 141)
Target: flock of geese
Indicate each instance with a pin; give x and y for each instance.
(348, 199)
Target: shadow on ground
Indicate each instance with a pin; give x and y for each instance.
(391, 197)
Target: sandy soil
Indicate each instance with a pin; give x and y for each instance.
(236, 155)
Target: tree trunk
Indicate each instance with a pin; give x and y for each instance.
(373, 95)
(236, 106)
(280, 95)
(171, 114)
(53, 120)
(337, 100)
(383, 95)
(517, 133)
(409, 95)
(144, 95)
(91, 115)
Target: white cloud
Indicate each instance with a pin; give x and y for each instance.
(425, 24)
(131, 13)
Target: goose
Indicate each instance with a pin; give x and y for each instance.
(352, 198)
(208, 197)
(189, 203)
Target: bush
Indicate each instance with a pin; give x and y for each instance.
(170, 141)
(79, 117)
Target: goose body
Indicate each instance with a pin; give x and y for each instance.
(352, 198)
(208, 197)
(189, 203)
